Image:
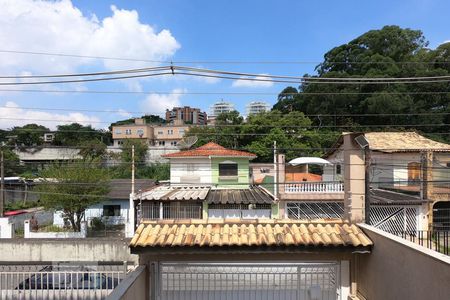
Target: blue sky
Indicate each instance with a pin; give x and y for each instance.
(199, 31)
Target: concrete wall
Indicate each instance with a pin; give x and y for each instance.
(240, 181)
(6, 228)
(133, 287)
(398, 269)
(190, 170)
(89, 249)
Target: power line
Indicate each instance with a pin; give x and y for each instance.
(215, 61)
(196, 72)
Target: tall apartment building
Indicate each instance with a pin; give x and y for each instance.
(187, 114)
(219, 108)
(256, 107)
(153, 135)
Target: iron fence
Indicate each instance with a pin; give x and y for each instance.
(435, 240)
(48, 282)
(232, 281)
(170, 210)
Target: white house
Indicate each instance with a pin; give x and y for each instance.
(116, 208)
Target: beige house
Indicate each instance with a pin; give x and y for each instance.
(151, 134)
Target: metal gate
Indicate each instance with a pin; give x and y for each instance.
(245, 281)
(394, 218)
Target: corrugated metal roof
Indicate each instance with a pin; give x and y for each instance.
(121, 188)
(379, 196)
(271, 233)
(239, 196)
(166, 192)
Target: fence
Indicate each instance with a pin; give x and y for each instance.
(50, 282)
(171, 210)
(106, 227)
(176, 281)
(314, 187)
(435, 240)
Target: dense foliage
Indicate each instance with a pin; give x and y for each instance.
(388, 52)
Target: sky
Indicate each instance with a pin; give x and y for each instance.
(245, 36)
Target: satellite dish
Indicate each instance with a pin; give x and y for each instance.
(187, 142)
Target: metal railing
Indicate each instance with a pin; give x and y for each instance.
(173, 210)
(189, 281)
(314, 187)
(46, 284)
(435, 240)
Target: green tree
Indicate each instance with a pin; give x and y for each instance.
(12, 163)
(29, 135)
(388, 52)
(75, 134)
(73, 187)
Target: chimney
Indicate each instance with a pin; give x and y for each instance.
(354, 180)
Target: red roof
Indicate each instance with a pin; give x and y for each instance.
(210, 149)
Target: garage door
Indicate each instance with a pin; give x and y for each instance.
(229, 281)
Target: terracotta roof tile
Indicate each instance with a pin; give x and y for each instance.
(257, 233)
(209, 149)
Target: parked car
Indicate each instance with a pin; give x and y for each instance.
(49, 279)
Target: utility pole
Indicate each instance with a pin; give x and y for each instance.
(275, 162)
(2, 186)
(132, 169)
(367, 184)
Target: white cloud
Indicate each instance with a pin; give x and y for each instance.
(123, 113)
(252, 83)
(60, 27)
(158, 103)
(12, 115)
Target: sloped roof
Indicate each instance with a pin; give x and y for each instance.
(240, 196)
(391, 142)
(242, 234)
(402, 142)
(166, 192)
(210, 149)
(381, 196)
(121, 188)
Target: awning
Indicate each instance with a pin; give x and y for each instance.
(253, 195)
(309, 160)
(258, 233)
(166, 193)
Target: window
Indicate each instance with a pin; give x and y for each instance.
(119, 142)
(127, 131)
(338, 169)
(181, 131)
(228, 169)
(118, 131)
(111, 210)
(169, 131)
(160, 132)
(140, 132)
(174, 143)
(162, 143)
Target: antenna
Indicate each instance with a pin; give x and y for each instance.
(187, 142)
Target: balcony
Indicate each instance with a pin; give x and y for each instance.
(314, 187)
(312, 190)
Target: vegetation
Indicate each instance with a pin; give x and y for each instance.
(388, 52)
(72, 187)
(76, 134)
(29, 135)
(149, 119)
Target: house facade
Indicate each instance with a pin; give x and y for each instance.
(153, 135)
(401, 165)
(211, 234)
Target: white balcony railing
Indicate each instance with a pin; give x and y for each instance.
(314, 187)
